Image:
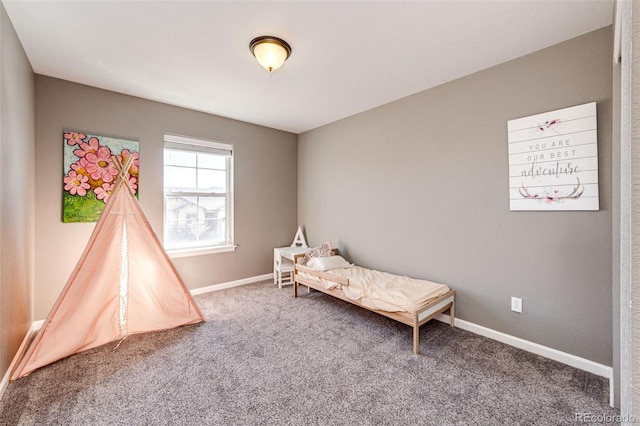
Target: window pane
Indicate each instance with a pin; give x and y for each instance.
(212, 220)
(212, 161)
(213, 230)
(202, 220)
(212, 180)
(179, 178)
(195, 221)
(181, 221)
(179, 158)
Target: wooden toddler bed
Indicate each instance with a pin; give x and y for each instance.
(409, 301)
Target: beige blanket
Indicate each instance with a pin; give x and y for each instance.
(384, 291)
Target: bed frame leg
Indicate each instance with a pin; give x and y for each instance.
(416, 339)
(452, 314)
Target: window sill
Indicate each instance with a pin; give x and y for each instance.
(178, 253)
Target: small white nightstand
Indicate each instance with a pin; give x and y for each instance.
(283, 264)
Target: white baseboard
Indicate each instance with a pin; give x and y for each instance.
(545, 351)
(216, 287)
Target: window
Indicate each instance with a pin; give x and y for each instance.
(198, 196)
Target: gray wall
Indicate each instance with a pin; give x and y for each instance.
(420, 187)
(264, 173)
(16, 192)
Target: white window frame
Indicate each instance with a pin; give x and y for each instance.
(194, 144)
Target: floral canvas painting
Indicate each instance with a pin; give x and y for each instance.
(90, 173)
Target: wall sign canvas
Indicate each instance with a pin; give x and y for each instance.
(89, 173)
(553, 160)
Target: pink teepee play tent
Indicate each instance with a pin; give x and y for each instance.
(123, 284)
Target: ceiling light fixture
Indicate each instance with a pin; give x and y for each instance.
(271, 52)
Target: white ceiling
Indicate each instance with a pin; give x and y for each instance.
(348, 56)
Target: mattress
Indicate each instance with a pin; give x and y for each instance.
(381, 290)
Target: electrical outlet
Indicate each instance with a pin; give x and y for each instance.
(516, 304)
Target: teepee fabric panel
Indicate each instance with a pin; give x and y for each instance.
(123, 284)
(152, 304)
(84, 316)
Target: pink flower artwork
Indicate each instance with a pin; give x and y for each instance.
(103, 192)
(80, 166)
(136, 161)
(76, 184)
(99, 164)
(134, 183)
(90, 173)
(87, 147)
(74, 138)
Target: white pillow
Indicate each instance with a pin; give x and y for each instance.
(327, 263)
